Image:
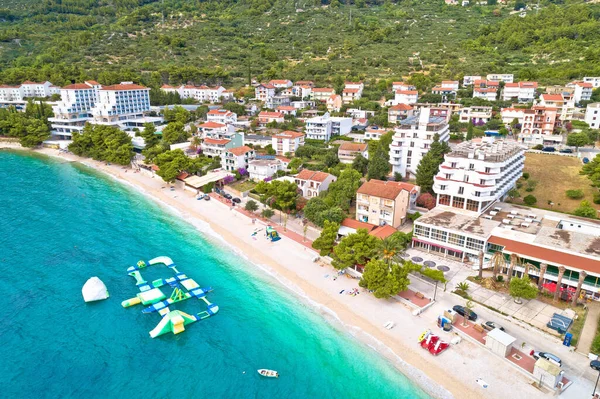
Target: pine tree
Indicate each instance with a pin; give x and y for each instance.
(326, 240)
(470, 132)
(430, 164)
(379, 167)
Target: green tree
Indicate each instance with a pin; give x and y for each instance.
(592, 171)
(578, 140)
(360, 164)
(251, 206)
(379, 166)
(430, 164)
(267, 213)
(586, 210)
(391, 246)
(326, 240)
(103, 143)
(522, 288)
(278, 194)
(470, 132)
(177, 114)
(530, 200)
(174, 133)
(171, 163)
(383, 280)
(355, 249)
(36, 132)
(342, 191)
(149, 135)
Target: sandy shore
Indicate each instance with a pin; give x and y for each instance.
(452, 374)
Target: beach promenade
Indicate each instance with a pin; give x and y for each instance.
(290, 261)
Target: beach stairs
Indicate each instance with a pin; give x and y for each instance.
(173, 322)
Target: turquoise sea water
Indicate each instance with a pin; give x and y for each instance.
(62, 223)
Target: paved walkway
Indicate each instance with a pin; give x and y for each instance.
(589, 328)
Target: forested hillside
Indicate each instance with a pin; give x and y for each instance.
(226, 41)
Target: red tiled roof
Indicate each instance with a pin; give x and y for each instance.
(219, 112)
(267, 114)
(352, 83)
(182, 176)
(528, 84)
(401, 107)
(267, 86)
(306, 174)
(383, 231)
(166, 87)
(216, 141)
(286, 108)
(29, 82)
(126, 86)
(450, 81)
(550, 256)
(283, 159)
(212, 125)
(552, 97)
(77, 86)
(356, 224)
(289, 134)
(511, 85)
(237, 151)
(351, 90)
(485, 90)
(350, 146)
(407, 92)
(384, 189)
(322, 90)
(8, 87)
(92, 82)
(584, 84)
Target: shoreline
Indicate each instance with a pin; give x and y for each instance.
(304, 278)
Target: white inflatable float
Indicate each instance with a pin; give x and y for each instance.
(94, 290)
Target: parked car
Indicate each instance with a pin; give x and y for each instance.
(461, 310)
(548, 356)
(585, 160)
(490, 325)
(548, 149)
(236, 200)
(228, 196)
(566, 151)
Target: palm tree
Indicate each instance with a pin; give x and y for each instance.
(543, 268)
(561, 273)
(480, 265)
(582, 276)
(389, 248)
(514, 261)
(498, 262)
(526, 272)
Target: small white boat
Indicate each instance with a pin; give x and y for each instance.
(268, 373)
(389, 325)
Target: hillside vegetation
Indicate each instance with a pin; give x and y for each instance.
(228, 41)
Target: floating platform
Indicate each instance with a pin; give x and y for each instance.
(151, 294)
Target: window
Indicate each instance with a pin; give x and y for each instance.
(439, 235)
(412, 143)
(456, 239)
(458, 202)
(478, 193)
(429, 137)
(422, 231)
(409, 153)
(471, 166)
(472, 205)
(461, 190)
(475, 244)
(488, 170)
(448, 175)
(466, 179)
(453, 165)
(482, 182)
(443, 188)
(444, 199)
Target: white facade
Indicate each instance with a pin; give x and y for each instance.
(402, 86)
(261, 169)
(487, 93)
(469, 80)
(592, 115)
(582, 91)
(510, 114)
(501, 77)
(313, 183)
(412, 139)
(476, 114)
(200, 93)
(281, 84)
(73, 110)
(524, 92)
(119, 103)
(222, 116)
(406, 97)
(324, 127)
(236, 158)
(476, 174)
(263, 92)
(287, 142)
(594, 80)
(27, 89)
(321, 94)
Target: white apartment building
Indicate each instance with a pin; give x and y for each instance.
(402, 86)
(236, 158)
(216, 147)
(263, 92)
(470, 79)
(406, 97)
(582, 91)
(27, 89)
(215, 130)
(501, 77)
(222, 116)
(412, 139)
(477, 173)
(594, 80)
(321, 93)
(524, 92)
(399, 112)
(325, 127)
(261, 169)
(564, 104)
(476, 114)
(450, 84)
(592, 115)
(487, 93)
(73, 110)
(10, 93)
(281, 83)
(287, 142)
(200, 93)
(350, 95)
(510, 114)
(374, 133)
(118, 104)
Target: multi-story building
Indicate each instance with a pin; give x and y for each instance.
(406, 97)
(38, 89)
(263, 92)
(412, 139)
(118, 104)
(237, 158)
(287, 142)
(477, 173)
(10, 93)
(264, 168)
(384, 202)
(487, 93)
(349, 95)
(470, 79)
(357, 113)
(349, 150)
(399, 112)
(277, 101)
(592, 115)
(221, 116)
(265, 117)
(302, 91)
(313, 183)
(287, 110)
(215, 130)
(281, 84)
(538, 120)
(447, 90)
(594, 80)
(523, 92)
(510, 114)
(334, 103)
(501, 77)
(476, 115)
(564, 104)
(354, 85)
(325, 127)
(200, 93)
(321, 93)
(374, 132)
(582, 91)
(73, 110)
(402, 86)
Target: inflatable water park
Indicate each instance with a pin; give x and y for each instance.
(152, 295)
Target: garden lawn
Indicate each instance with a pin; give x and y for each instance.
(555, 174)
(243, 186)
